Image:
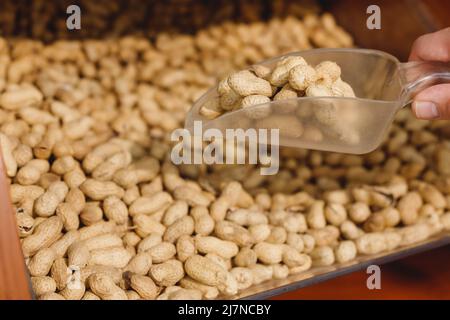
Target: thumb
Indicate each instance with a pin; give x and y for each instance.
(433, 103)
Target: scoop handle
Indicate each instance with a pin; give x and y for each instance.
(419, 75)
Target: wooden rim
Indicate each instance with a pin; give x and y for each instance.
(14, 279)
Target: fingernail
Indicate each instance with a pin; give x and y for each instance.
(426, 110)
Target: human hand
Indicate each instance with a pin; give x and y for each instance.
(433, 102)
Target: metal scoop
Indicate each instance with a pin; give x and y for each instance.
(382, 86)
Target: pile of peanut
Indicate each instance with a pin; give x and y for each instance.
(102, 212)
(290, 78)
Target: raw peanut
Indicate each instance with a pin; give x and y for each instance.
(167, 273)
(44, 148)
(181, 227)
(371, 243)
(24, 96)
(302, 76)
(115, 209)
(295, 241)
(74, 290)
(309, 243)
(230, 231)
(91, 213)
(140, 264)
(219, 208)
(203, 222)
(316, 215)
(211, 109)
(115, 273)
(278, 235)
(51, 296)
(185, 248)
(131, 239)
(25, 223)
(19, 192)
(74, 178)
(328, 71)
(144, 170)
(222, 248)
(162, 252)
(133, 295)
(114, 257)
(359, 212)
(75, 198)
(106, 170)
(22, 154)
(191, 196)
(41, 263)
(60, 272)
(350, 231)
(307, 263)
(63, 148)
(148, 205)
(78, 255)
(47, 203)
(393, 239)
(246, 217)
(261, 111)
(292, 258)
(149, 242)
(295, 223)
(335, 214)
(76, 129)
(279, 271)
(243, 277)
(432, 195)
(345, 251)
(413, 234)
(60, 246)
(103, 241)
(261, 273)
(268, 253)
(409, 206)
(46, 179)
(146, 225)
(104, 287)
(177, 210)
(210, 273)
(131, 194)
(153, 187)
(97, 229)
(99, 190)
(260, 232)
(8, 157)
(322, 256)
(63, 165)
(43, 236)
(43, 285)
(280, 75)
(68, 215)
(90, 296)
(224, 263)
(325, 236)
(185, 294)
(208, 292)
(245, 83)
(144, 286)
(341, 88)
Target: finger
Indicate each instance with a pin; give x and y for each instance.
(432, 47)
(433, 103)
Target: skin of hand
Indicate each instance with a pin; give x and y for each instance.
(433, 102)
